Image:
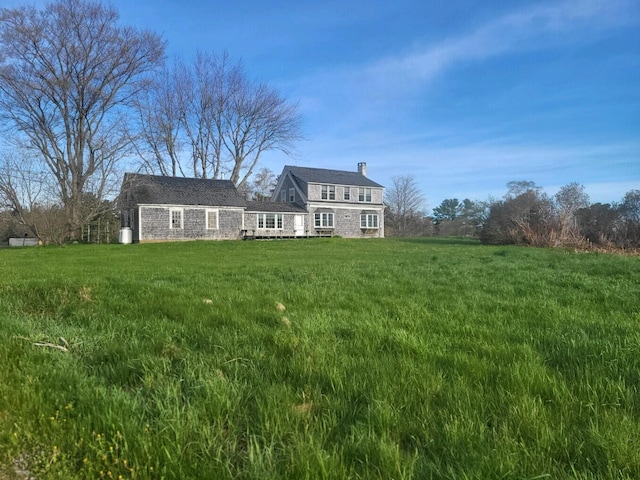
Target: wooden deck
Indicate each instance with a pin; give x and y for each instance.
(258, 235)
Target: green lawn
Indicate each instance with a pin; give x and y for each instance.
(315, 359)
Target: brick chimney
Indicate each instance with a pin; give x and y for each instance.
(362, 168)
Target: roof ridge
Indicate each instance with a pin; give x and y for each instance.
(331, 176)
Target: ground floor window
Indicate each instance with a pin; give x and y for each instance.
(368, 220)
(212, 219)
(176, 218)
(270, 220)
(323, 220)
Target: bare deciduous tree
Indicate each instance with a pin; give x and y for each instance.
(67, 74)
(569, 199)
(210, 120)
(160, 127)
(630, 206)
(629, 210)
(26, 191)
(22, 187)
(264, 182)
(406, 203)
(516, 188)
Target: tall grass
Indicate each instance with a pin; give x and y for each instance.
(318, 359)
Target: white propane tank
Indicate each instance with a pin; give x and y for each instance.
(126, 235)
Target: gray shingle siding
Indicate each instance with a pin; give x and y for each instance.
(288, 183)
(347, 222)
(315, 194)
(146, 202)
(155, 224)
(346, 212)
(287, 230)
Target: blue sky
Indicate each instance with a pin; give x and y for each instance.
(463, 95)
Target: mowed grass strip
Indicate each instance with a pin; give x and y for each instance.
(318, 359)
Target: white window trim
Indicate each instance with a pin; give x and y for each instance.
(346, 194)
(369, 221)
(283, 195)
(320, 221)
(171, 212)
(363, 198)
(277, 216)
(217, 214)
(329, 190)
(292, 195)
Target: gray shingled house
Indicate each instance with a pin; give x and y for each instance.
(158, 208)
(307, 202)
(337, 202)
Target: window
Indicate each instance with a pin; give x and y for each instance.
(270, 220)
(347, 193)
(368, 220)
(323, 220)
(176, 218)
(292, 195)
(212, 219)
(283, 196)
(364, 195)
(328, 192)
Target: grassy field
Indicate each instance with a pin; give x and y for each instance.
(318, 359)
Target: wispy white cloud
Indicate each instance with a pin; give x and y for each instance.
(353, 111)
(384, 81)
(529, 29)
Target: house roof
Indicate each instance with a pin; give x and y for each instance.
(160, 190)
(275, 207)
(338, 177)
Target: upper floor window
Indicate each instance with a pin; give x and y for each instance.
(364, 195)
(283, 195)
(328, 192)
(347, 193)
(212, 219)
(292, 195)
(270, 220)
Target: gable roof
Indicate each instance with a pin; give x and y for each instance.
(338, 177)
(160, 190)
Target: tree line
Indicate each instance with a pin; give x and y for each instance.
(83, 98)
(525, 215)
